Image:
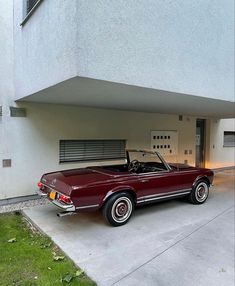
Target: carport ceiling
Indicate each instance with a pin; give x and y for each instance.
(103, 94)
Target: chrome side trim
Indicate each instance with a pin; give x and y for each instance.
(162, 194)
(64, 207)
(162, 197)
(86, 207)
(51, 187)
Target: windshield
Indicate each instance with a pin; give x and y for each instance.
(146, 157)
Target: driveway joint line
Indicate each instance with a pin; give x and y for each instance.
(169, 247)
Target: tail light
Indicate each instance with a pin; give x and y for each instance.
(65, 199)
(40, 185)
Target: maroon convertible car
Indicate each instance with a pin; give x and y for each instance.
(117, 189)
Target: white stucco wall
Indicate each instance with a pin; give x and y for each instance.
(180, 46)
(6, 53)
(6, 82)
(218, 155)
(33, 144)
(46, 46)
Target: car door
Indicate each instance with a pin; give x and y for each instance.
(163, 182)
(157, 185)
(154, 183)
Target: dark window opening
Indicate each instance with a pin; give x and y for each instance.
(91, 150)
(229, 138)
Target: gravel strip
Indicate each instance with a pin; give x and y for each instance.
(23, 205)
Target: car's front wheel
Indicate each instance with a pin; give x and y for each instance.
(199, 193)
(118, 209)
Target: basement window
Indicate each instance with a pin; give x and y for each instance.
(229, 138)
(91, 150)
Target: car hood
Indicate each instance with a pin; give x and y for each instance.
(68, 180)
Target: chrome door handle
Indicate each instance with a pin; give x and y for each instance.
(144, 181)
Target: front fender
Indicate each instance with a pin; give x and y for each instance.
(201, 177)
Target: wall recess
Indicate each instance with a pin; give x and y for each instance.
(6, 163)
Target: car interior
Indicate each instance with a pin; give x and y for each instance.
(139, 162)
(138, 167)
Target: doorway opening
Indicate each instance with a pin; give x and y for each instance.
(200, 143)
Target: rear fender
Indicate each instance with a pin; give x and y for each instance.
(118, 190)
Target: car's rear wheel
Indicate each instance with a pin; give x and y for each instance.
(118, 209)
(199, 193)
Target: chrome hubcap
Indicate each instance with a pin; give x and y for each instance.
(202, 192)
(121, 209)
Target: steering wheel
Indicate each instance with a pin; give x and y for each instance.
(134, 165)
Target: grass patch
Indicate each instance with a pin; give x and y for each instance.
(29, 258)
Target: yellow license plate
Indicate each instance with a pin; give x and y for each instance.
(52, 195)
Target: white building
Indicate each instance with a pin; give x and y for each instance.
(148, 74)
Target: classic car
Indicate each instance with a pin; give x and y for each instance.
(145, 177)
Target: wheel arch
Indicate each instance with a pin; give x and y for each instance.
(126, 189)
(201, 178)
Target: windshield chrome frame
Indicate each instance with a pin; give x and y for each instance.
(168, 168)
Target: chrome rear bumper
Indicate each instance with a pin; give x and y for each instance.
(67, 208)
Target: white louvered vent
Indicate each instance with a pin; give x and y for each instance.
(91, 150)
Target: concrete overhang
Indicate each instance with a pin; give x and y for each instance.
(103, 94)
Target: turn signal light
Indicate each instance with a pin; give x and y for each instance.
(65, 199)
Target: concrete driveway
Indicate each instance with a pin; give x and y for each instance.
(169, 243)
